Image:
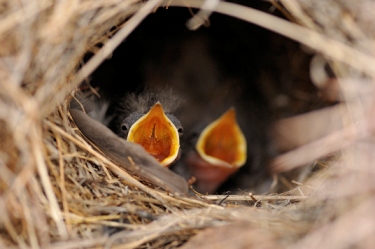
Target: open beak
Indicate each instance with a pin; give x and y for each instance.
(221, 150)
(157, 134)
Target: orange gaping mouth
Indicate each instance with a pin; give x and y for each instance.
(157, 134)
(222, 142)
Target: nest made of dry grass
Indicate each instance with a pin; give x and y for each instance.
(57, 191)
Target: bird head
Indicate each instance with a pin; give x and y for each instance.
(221, 150)
(157, 132)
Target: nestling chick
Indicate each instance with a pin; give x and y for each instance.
(147, 119)
(128, 155)
(221, 150)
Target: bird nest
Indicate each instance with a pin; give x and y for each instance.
(59, 191)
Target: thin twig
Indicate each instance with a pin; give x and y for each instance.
(62, 184)
(47, 186)
(252, 197)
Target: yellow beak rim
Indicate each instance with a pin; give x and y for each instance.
(222, 142)
(157, 134)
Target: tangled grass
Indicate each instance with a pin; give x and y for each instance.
(58, 191)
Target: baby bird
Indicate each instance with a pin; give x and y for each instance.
(220, 151)
(130, 156)
(147, 119)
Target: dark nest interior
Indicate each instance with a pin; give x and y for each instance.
(296, 75)
(227, 62)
